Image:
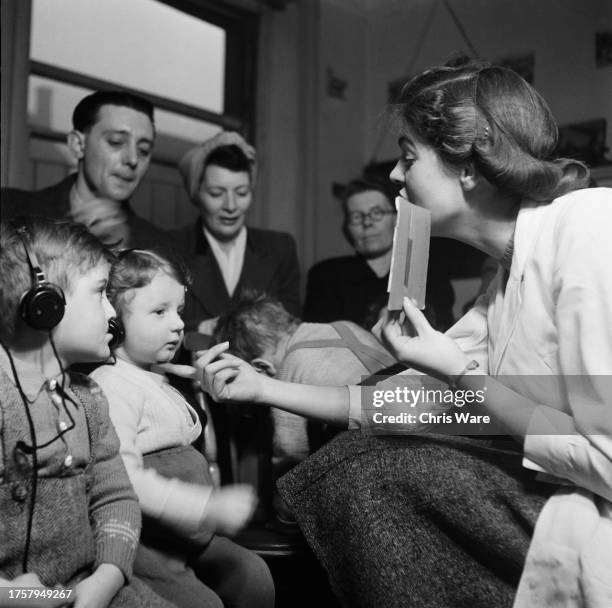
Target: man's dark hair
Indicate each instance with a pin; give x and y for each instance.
(85, 114)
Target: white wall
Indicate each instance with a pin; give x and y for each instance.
(306, 140)
(312, 140)
(561, 34)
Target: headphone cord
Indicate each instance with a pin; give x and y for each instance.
(34, 482)
(34, 447)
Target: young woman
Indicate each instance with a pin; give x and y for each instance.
(438, 520)
(179, 555)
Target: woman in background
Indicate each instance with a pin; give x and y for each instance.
(354, 288)
(225, 255)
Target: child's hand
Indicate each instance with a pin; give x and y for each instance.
(426, 349)
(230, 508)
(98, 589)
(228, 378)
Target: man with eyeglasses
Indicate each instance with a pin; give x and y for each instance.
(354, 288)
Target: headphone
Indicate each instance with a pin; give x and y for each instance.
(42, 306)
(116, 329)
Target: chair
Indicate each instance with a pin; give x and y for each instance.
(238, 449)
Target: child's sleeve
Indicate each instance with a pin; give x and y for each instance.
(113, 507)
(176, 503)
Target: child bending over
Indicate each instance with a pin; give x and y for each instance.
(180, 556)
(70, 518)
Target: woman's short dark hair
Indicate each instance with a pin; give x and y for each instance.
(491, 116)
(229, 157)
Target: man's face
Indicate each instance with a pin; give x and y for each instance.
(115, 153)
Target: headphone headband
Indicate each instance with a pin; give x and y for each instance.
(33, 263)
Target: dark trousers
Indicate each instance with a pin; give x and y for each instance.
(224, 574)
(427, 521)
(202, 571)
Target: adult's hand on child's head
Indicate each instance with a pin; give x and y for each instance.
(426, 349)
(230, 508)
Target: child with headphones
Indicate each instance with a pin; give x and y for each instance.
(179, 555)
(69, 521)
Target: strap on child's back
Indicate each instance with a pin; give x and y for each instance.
(373, 359)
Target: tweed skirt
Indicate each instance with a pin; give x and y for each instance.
(422, 520)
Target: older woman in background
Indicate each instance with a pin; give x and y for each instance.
(354, 287)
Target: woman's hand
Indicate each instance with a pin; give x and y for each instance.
(427, 350)
(228, 378)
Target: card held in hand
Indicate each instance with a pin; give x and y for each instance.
(408, 274)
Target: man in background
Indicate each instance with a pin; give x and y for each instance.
(112, 141)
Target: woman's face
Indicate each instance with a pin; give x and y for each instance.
(370, 237)
(224, 198)
(429, 183)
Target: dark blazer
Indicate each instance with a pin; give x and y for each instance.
(270, 265)
(54, 202)
(342, 288)
(346, 288)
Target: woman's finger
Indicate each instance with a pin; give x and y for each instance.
(184, 371)
(416, 317)
(219, 386)
(224, 376)
(211, 354)
(216, 366)
(393, 337)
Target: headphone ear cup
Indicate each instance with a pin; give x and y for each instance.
(116, 329)
(43, 306)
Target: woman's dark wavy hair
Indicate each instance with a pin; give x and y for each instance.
(491, 116)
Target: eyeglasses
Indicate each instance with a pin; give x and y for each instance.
(354, 218)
